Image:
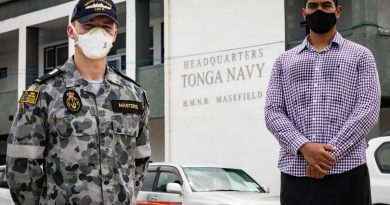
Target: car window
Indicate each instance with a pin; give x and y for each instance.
(149, 181)
(206, 179)
(382, 156)
(165, 178)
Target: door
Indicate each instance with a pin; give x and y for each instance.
(159, 194)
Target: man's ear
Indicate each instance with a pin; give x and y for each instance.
(116, 34)
(71, 33)
(339, 10)
(303, 12)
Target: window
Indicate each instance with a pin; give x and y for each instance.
(149, 181)
(382, 156)
(165, 178)
(55, 56)
(151, 48)
(204, 179)
(383, 17)
(61, 54)
(117, 62)
(3, 72)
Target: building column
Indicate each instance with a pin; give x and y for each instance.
(130, 38)
(142, 33)
(137, 35)
(32, 54)
(157, 41)
(22, 60)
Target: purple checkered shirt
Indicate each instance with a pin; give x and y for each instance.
(332, 97)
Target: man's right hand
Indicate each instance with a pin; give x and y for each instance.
(318, 157)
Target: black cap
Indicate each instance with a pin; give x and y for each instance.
(86, 10)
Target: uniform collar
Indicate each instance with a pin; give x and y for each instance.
(73, 77)
(336, 41)
(112, 77)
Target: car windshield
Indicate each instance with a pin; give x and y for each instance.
(208, 179)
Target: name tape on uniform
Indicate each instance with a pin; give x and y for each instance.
(127, 106)
(29, 96)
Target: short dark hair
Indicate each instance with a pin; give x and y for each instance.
(336, 2)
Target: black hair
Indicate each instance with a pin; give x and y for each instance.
(336, 2)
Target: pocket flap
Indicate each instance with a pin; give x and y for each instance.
(126, 124)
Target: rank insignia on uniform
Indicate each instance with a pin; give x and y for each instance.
(127, 106)
(29, 96)
(72, 101)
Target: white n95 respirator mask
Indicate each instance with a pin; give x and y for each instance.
(95, 44)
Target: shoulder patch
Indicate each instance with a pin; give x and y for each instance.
(29, 96)
(49, 75)
(125, 76)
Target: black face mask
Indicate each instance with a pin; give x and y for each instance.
(321, 22)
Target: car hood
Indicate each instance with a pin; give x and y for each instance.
(235, 198)
(5, 197)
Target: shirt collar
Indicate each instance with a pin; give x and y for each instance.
(336, 41)
(73, 77)
(112, 77)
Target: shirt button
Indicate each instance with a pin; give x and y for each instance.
(314, 118)
(314, 101)
(313, 137)
(315, 85)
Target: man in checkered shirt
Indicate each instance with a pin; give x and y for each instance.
(323, 99)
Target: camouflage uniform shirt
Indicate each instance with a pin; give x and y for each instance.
(71, 144)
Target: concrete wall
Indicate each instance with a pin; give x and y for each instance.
(210, 107)
(385, 122)
(9, 60)
(20, 7)
(8, 91)
(157, 139)
(151, 79)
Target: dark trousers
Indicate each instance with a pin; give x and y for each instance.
(349, 188)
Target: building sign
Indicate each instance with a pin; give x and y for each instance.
(220, 56)
(218, 70)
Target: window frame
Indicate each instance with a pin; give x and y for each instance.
(56, 52)
(168, 169)
(376, 155)
(55, 47)
(154, 183)
(5, 70)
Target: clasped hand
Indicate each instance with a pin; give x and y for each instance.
(319, 159)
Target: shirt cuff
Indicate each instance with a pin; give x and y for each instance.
(297, 143)
(337, 153)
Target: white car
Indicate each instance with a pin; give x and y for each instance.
(378, 162)
(5, 195)
(173, 184)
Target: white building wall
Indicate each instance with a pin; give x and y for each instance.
(219, 58)
(8, 90)
(9, 60)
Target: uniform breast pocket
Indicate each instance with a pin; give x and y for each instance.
(81, 127)
(75, 140)
(125, 129)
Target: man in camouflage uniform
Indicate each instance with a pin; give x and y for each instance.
(81, 132)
